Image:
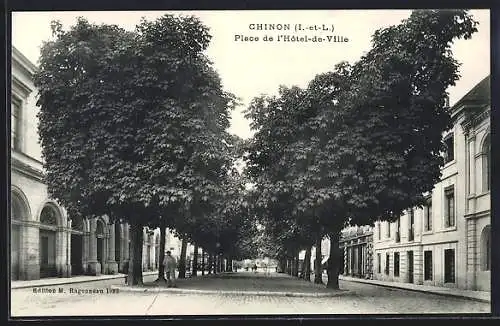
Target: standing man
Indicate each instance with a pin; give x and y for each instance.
(170, 267)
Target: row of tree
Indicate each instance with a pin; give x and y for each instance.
(360, 143)
(133, 124)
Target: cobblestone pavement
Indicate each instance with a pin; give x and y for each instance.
(362, 299)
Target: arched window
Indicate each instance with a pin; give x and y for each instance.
(48, 216)
(486, 249)
(486, 156)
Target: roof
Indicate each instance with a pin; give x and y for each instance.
(478, 95)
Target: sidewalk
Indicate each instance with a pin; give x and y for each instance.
(68, 280)
(241, 283)
(481, 296)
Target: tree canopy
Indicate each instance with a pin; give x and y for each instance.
(133, 124)
(364, 141)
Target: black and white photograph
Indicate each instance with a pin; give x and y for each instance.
(250, 162)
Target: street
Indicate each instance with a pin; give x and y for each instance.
(361, 299)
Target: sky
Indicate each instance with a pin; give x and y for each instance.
(251, 67)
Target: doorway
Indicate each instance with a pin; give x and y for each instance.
(410, 266)
(118, 243)
(47, 242)
(360, 261)
(100, 235)
(76, 254)
(100, 253)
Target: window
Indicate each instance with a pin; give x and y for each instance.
(15, 121)
(486, 158)
(411, 222)
(379, 263)
(379, 226)
(398, 229)
(449, 266)
(396, 264)
(486, 249)
(449, 151)
(387, 261)
(388, 229)
(428, 216)
(449, 209)
(428, 265)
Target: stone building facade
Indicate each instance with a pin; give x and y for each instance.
(447, 242)
(356, 246)
(44, 241)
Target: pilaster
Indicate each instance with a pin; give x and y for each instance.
(471, 253)
(29, 253)
(112, 264)
(94, 266)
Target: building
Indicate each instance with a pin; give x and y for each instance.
(447, 242)
(45, 242)
(356, 252)
(356, 247)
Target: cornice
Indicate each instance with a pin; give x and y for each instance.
(27, 170)
(474, 118)
(28, 66)
(25, 89)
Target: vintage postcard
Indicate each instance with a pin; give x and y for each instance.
(237, 162)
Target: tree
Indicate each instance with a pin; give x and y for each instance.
(278, 158)
(386, 135)
(182, 260)
(130, 121)
(368, 137)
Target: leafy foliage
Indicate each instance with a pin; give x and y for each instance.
(364, 141)
(133, 124)
(131, 117)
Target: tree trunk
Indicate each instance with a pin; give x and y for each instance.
(296, 265)
(194, 271)
(229, 265)
(161, 254)
(318, 278)
(307, 261)
(134, 276)
(214, 263)
(182, 260)
(202, 261)
(209, 263)
(333, 262)
(282, 265)
(288, 265)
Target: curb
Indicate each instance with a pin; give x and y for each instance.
(111, 277)
(455, 295)
(255, 293)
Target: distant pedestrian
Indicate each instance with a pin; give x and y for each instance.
(170, 267)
